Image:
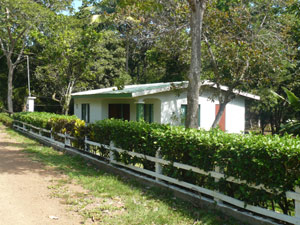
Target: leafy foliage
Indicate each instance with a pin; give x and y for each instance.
(6, 119)
(46, 120)
(293, 126)
(237, 155)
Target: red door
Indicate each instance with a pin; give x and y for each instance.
(222, 121)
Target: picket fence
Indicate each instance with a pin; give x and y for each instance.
(219, 198)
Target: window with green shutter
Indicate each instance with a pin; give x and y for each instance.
(145, 112)
(148, 113)
(184, 114)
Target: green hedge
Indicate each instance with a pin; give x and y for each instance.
(273, 161)
(6, 119)
(58, 123)
(45, 120)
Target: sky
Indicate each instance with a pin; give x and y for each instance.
(77, 4)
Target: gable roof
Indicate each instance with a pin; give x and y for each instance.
(131, 91)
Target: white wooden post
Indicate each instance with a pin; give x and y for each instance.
(217, 169)
(51, 135)
(67, 140)
(297, 203)
(40, 131)
(24, 127)
(85, 144)
(111, 152)
(158, 166)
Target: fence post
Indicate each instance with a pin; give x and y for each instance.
(111, 152)
(217, 169)
(86, 147)
(40, 131)
(158, 166)
(67, 140)
(24, 127)
(51, 133)
(297, 203)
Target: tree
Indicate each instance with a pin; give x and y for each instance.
(17, 19)
(77, 57)
(197, 8)
(246, 43)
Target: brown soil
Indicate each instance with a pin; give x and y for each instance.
(25, 198)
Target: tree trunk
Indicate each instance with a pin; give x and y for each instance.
(196, 20)
(10, 88)
(219, 115)
(67, 98)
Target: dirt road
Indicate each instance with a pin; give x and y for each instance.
(24, 194)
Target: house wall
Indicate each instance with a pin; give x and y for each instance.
(170, 110)
(95, 108)
(167, 109)
(235, 115)
(99, 107)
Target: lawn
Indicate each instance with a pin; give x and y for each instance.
(110, 199)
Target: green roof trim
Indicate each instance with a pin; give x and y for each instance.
(139, 89)
(124, 93)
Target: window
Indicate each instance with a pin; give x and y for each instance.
(144, 112)
(184, 114)
(148, 113)
(85, 112)
(119, 111)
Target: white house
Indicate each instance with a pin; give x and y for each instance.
(161, 103)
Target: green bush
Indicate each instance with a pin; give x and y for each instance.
(44, 119)
(136, 136)
(6, 119)
(273, 161)
(58, 123)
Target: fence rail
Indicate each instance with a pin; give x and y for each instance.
(157, 174)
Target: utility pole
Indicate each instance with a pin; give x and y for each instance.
(30, 100)
(28, 76)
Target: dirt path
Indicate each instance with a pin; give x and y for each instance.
(24, 194)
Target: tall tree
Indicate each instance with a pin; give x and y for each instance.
(197, 8)
(246, 42)
(17, 19)
(76, 57)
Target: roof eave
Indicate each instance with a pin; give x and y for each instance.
(120, 95)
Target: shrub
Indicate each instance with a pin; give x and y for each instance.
(58, 123)
(6, 119)
(272, 161)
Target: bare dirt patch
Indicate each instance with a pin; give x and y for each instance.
(25, 196)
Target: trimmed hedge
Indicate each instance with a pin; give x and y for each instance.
(273, 161)
(6, 119)
(59, 123)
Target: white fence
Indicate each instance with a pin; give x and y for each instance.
(217, 196)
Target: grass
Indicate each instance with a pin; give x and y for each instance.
(110, 199)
